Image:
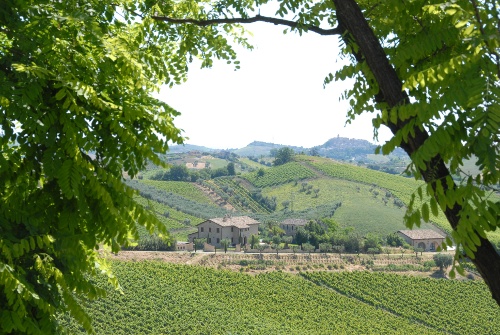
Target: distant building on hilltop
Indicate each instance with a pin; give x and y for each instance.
(427, 239)
(237, 229)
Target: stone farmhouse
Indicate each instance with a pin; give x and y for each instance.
(427, 239)
(290, 226)
(237, 229)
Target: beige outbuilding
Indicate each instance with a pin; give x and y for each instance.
(426, 239)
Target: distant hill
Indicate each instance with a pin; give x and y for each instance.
(183, 148)
(340, 148)
(343, 148)
(258, 149)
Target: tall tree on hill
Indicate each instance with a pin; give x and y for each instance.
(283, 156)
(231, 171)
(430, 71)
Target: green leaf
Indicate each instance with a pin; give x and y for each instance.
(425, 212)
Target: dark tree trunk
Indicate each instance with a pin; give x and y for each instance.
(352, 21)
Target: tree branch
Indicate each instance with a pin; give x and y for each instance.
(351, 18)
(258, 18)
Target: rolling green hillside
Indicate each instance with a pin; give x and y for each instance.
(371, 201)
(162, 298)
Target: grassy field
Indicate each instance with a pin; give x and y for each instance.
(163, 298)
(176, 221)
(364, 207)
(372, 201)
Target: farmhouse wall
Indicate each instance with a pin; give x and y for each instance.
(215, 233)
(429, 244)
(290, 229)
(183, 246)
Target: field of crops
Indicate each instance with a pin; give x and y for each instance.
(179, 224)
(365, 207)
(400, 186)
(280, 175)
(184, 189)
(427, 301)
(162, 298)
(237, 195)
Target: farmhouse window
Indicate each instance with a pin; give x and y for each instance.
(209, 240)
(232, 228)
(232, 240)
(209, 230)
(218, 240)
(217, 229)
(201, 230)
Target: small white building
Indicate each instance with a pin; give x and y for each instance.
(426, 239)
(237, 229)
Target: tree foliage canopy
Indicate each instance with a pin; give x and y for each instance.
(283, 156)
(77, 112)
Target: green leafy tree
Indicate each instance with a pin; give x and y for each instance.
(261, 247)
(77, 114)
(394, 240)
(430, 73)
(443, 261)
(231, 171)
(325, 247)
(199, 243)
(276, 239)
(307, 247)
(371, 241)
(178, 173)
(254, 240)
(373, 251)
(417, 250)
(277, 247)
(301, 236)
(225, 244)
(283, 156)
(287, 240)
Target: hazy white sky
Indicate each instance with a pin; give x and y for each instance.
(277, 96)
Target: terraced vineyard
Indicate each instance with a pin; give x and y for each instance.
(237, 195)
(184, 189)
(179, 224)
(280, 175)
(162, 298)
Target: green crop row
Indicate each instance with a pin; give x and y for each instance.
(241, 192)
(174, 219)
(185, 189)
(443, 305)
(162, 298)
(280, 175)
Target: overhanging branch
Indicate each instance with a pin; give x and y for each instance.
(258, 18)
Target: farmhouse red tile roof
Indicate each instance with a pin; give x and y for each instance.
(236, 221)
(421, 234)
